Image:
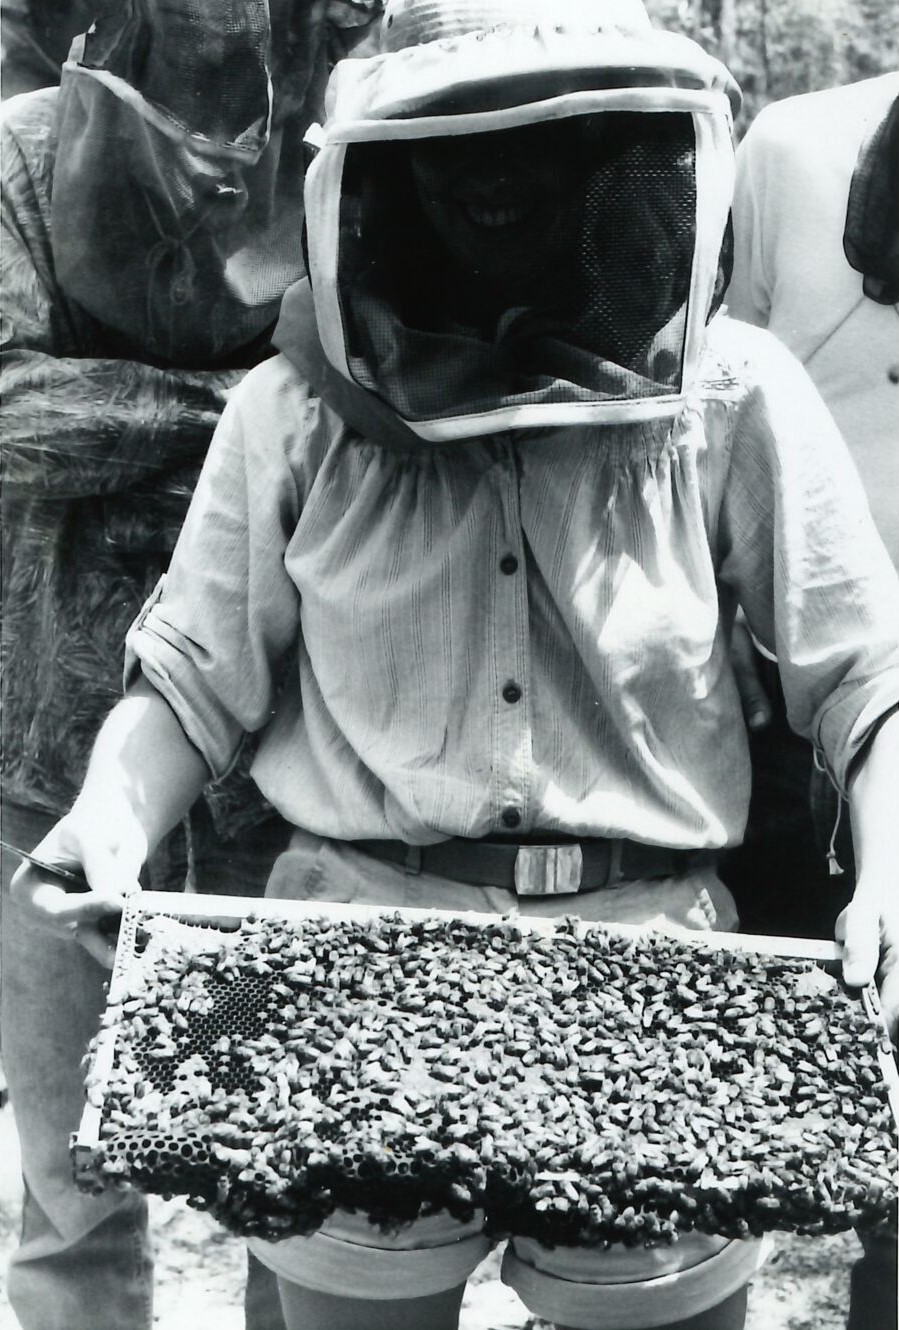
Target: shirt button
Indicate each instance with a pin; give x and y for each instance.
(508, 564)
(510, 817)
(512, 693)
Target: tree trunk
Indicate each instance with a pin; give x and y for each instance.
(696, 18)
(727, 30)
(765, 66)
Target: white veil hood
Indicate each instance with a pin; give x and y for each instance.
(649, 116)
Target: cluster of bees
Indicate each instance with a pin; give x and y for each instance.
(576, 1087)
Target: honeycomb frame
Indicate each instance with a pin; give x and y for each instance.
(226, 1170)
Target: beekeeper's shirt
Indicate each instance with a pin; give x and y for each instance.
(525, 632)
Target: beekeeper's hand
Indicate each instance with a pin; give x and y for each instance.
(109, 852)
(869, 926)
(869, 931)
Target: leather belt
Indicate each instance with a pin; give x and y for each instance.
(534, 870)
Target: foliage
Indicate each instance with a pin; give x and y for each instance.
(776, 48)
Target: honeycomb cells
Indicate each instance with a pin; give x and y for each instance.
(578, 1087)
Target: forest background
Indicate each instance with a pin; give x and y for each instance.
(776, 48)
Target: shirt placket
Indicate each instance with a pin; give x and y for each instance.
(511, 659)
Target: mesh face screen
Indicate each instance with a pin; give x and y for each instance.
(546, 263)
(187, 257)
(203, 62)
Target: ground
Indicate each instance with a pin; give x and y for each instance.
(199, 1271)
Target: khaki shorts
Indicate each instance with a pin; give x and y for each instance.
(594, 1289)
(618, 1289)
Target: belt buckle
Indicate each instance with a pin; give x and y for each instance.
(548, 870)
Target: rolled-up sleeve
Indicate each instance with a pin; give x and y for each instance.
(801, 552)
(213, 636)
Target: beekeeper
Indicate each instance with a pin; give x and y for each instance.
(468, 553)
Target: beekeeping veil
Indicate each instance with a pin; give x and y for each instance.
(603, 318)
(177, 193)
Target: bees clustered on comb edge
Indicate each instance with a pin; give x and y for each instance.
(579, 1087)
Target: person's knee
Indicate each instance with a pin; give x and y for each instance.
(698, 1284)
(262, 1303)
(309, 1309)
(727, 1315)
(348, 1258)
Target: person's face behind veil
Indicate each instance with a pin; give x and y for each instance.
(580, 221)
(505, 206)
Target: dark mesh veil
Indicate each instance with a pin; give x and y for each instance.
(177, 199)
(611, 322)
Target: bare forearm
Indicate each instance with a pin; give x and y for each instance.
(143, 776)
(143, 767)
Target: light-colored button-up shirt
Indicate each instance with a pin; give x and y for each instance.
(526, 632)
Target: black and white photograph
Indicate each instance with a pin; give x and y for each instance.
(449, 664)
